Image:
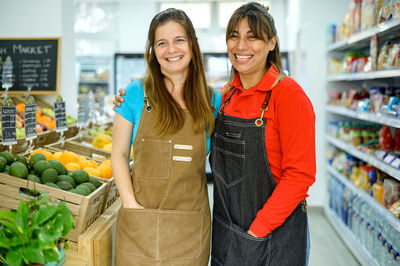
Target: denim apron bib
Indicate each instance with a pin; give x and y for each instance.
(169, 181)
(243, 182)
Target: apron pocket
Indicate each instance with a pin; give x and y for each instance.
(137, 232)
(228, 160)
(241, 248)
(155, 158)
(180, 234)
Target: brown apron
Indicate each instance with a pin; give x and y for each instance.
(169, 182)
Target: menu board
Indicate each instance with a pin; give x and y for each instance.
(8, 123)
(35, 64)
(60, 115)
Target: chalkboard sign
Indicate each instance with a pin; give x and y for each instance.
(35, 64)
(83, 113)
(8, 123)
(61, 120)
(30, 121)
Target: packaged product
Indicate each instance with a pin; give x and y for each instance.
(393, 56)
(385, 11)
(396, 9)
(395, 208)
(374, 51)
(363, 105)
(386, 142)
(368, 14)
(377, 192)
(383, 55)
(377, 97)
(391, 191)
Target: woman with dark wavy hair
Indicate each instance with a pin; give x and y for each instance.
(262, 152)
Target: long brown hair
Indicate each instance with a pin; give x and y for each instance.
(262, 26)
(195, 92)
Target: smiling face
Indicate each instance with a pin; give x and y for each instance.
(247, 53)
(172, 49)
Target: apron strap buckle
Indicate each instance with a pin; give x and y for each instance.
(259, 122)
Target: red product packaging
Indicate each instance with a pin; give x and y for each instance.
(386, 141)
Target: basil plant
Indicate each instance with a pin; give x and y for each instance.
(33, 232)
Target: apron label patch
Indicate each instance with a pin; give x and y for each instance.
(182, 158)
(183, 147)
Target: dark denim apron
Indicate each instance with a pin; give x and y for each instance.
(243, 182)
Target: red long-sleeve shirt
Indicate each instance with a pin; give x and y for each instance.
(289, 140)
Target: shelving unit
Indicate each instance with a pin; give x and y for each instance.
(94, 73)
(364, 157)
(349, 239)
(343, 82)
(364, 116)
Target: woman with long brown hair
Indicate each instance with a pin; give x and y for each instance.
(168, 117)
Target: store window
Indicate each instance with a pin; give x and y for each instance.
(199, 13)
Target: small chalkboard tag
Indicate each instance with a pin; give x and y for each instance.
(30, 119)
(92, 108)
(101, 106)
(59, 111)
(8, 123)
(83, 113)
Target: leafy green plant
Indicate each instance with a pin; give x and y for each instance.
(31, 234)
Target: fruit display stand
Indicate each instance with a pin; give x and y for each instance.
(95, 245)
(73, 145)
(111, 194)
(85, 209)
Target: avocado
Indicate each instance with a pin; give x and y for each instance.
(19, 170)
(95, 181)
(66, 178)
(34, 178)
(3, 164)
(90, 186)
(40, 166)
(80, 176)
(35, 158)
(8, 156)
(60, 168)
(52, 185)
(21, 159)
(83, 190)
(49, 175)
(64, 185)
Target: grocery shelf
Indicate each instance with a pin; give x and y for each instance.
(381, 74)
(390, 217)
(370, 117)
(362, 39)
(93, 81)
(395, 173)
(362, 255)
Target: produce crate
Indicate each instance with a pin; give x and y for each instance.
(111, 194)
(85, 209)
(73, 144)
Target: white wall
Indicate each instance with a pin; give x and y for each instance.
(45, 18)
(310, 68)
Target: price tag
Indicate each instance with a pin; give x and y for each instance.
(380, 155)
(83, 113)
(396, 163)
(30, 119)
(8, 123)
(389, 158)
(101, 106)
(59, 111)
(92, 108)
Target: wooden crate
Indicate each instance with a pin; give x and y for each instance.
(86, 150)
(85, 209)
(96, 243)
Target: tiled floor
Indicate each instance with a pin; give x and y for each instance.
(326, 246)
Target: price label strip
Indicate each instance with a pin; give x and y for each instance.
(60, 115)
(30, 119)
(8, 123)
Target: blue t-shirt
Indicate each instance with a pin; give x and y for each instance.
(132, 107)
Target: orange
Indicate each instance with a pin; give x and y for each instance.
(46, 153)
(92, 171)
(100, 140)
(92, 163)
(73, 166)
(106, 162)
(69, 157)
(83, 162)
(57, 155)
(106, 171)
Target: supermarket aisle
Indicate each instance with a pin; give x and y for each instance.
(326, 246)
